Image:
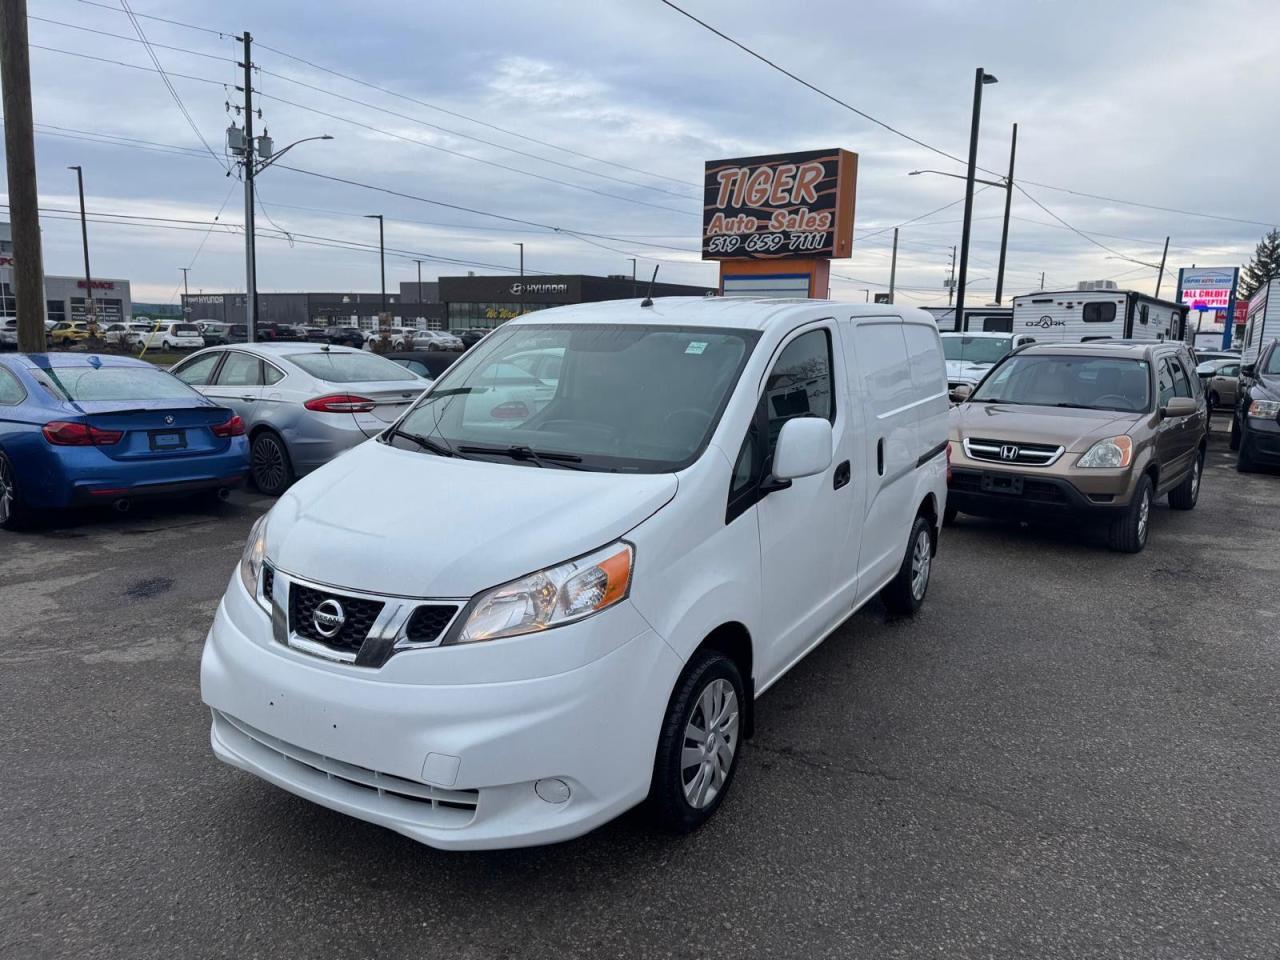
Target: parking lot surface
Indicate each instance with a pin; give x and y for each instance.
(1069, 753)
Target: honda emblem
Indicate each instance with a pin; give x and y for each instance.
(1008, 452)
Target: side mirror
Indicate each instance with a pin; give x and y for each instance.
(1249, 370)
(804, 448)
(961, 392)
(1179, 407)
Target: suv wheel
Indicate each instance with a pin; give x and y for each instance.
(906, 591)
(1185, 494)
(269, 463)
(699, 744)
(1128, 533)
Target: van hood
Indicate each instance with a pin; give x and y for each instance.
(1074, 430)
(385, 520)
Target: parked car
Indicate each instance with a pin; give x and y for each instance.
(66, 332)
(345, 336)
(425, 363)
(1220, 379)
(471, 337)
(1203, 356)
(82, 429)
(222, 334)
(302, 404)
(278, 333)
(133, 332)
(1255, 422)
(971, 355)
(170, 335)
(1093, 432)
(621, 574)
(435, 340)
(314, 334)
(9, 333)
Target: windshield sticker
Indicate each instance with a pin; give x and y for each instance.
(696, 347)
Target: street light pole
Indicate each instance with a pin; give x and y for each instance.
(893, 265)
(90, 314)
(186, 292)
(633, 275)
(382, 256)
(1008, 202)
(980, 79)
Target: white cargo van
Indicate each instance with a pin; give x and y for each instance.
(1075, 316)
(1263, 324)
(713, 486)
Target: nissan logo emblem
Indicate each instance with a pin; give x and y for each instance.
(328, 618)
(1007, 452)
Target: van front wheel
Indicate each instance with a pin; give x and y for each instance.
(905, 593)
(699, 744)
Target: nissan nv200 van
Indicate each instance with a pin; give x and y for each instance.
(706, 489)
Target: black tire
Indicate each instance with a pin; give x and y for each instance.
(12, 516)
(1185, 494)
(949, 516)
(668, 801)
(269, 464)
(1128, 532)
(1234, 441)
(905, 593)
(1244, 458)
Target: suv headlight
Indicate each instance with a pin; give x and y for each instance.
(1113, 452)
(255, 551)
(549, 598)
(1265, 409)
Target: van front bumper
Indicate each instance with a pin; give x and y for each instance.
(456, 766)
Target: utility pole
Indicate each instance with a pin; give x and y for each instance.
(186, 293)
(382, 256)
(951, 283)
(1041, 279)
(1163, 257)
(1008, 202)
(893, 265)
(90, 314)
(20, 157)
(250, 251)
(633, 275)
(980, 78)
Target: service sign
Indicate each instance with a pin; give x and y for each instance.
(786, 205)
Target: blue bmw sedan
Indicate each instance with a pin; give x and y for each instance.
(82, 429)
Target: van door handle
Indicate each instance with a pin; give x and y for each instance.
(842, 475)
(880, 456)
(250, 399)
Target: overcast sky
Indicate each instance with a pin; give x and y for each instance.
(1164, 103)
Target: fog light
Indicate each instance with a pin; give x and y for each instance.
(552, 790)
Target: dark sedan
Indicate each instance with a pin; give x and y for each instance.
(1255, 423)
(345, 336)
(423, 362)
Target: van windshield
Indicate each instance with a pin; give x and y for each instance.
(1094, 383)
(957, 346)
(606, 397)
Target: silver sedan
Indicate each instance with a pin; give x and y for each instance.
(302, 403)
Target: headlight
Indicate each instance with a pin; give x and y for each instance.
(551, 597)
(1265, 409)
(1112, 452)
(255, 552)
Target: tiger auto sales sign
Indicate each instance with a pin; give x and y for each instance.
(781, 206)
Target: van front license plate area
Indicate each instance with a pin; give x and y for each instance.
(168, 440)
(998, 483)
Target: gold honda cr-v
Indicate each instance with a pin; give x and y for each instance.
(1092, 431)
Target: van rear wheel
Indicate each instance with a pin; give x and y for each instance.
(699, 744)
(905, 593)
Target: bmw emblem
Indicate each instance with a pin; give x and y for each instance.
(328, 618)
(168, 418)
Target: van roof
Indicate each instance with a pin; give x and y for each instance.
(741, 313)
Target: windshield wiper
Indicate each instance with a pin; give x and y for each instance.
(426, 443)
(1076, 406)
(525, 453)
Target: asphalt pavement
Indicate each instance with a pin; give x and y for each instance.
(1069, 753)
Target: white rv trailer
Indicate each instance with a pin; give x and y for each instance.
(1263, 324)
(1075, 316)
(986, 319)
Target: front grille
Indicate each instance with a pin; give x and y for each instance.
(428, 622)
(1018, 454)
(268, 581)
(1043, 492)
(360, 615)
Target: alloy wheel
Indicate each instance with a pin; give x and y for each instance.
(710, 742)
(1195, 478)
(921, 560)
(268, 464)
(1144, 515)
(6, 492)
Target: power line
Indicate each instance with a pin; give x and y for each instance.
(1152, 206)
(137, 25)
(121, 63)
(1096, 243)
(150, 16)
(121, 36)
